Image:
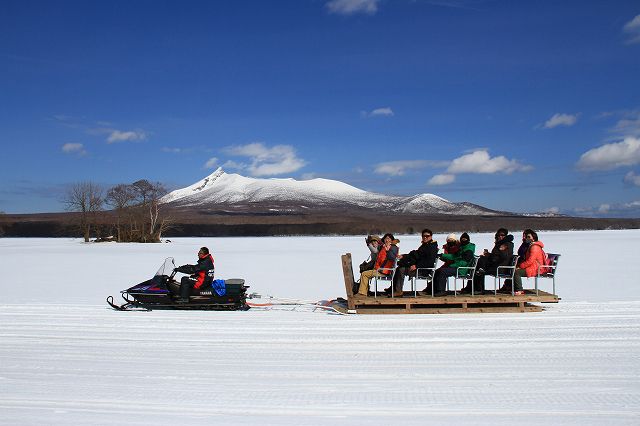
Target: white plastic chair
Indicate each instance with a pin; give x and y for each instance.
(388, 278)
(425, 274)
(464, 277)
(549, 271)
(504, 273)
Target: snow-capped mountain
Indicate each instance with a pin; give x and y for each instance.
(229, 190)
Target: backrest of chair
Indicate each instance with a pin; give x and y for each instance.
(429, 271)
(552, 265)
(508, 271)
(471, 269)
(395, 265)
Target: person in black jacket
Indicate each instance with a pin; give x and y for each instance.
(202, 274)
(423, 257)
(500, 255)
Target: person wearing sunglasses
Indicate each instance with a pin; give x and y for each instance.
(423, 257)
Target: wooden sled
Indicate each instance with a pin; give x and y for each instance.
(449, 304)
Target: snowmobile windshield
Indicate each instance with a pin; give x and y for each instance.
(167, 267)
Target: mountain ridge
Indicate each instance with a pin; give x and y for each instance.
(221, 189)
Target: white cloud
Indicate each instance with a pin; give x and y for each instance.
(67, 121)
(477, 162)
(351, 7)
(211, 163)
(172, 150)
(630, 209)
(632, 29)
(308, 176)
(612, 155)
(379, 112)
(632, 179)
(73, 148)
(561, 120)
(128, 136)
(553, 210)
(481, 162)
(267, 161)
(398, 168)
(443, 179)
(234, 165)
(628, 125)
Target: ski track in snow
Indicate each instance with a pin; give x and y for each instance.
(65, 363)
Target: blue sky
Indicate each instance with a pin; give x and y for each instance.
(514, 105)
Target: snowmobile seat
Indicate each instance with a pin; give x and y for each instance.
(234, 287)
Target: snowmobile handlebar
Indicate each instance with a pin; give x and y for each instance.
(186, 269)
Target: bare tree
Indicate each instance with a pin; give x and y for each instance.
(120, 198)
(151, 222)
(85, 198)
(138, 204)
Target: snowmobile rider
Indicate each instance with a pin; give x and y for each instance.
(201, 274)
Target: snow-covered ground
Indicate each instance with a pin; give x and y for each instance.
(66, 358)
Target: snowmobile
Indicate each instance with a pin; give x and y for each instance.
(162, 292)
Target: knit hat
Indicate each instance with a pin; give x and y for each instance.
(466, 236)
(452, 237)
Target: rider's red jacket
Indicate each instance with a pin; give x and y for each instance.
(204, 270)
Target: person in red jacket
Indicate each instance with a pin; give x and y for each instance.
(528, 267)
(452, 246)
(202, 274)
(385, 263)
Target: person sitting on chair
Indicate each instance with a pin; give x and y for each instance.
(373, 242)
(488, 262)
(201, 274)
(452, 246)
(385, 260)
(534, 257)
(424, 257)
(463, 257)
(522, 250)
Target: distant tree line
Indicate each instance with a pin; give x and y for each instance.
(137, 214)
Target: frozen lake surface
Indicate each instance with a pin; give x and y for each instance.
(66, 358)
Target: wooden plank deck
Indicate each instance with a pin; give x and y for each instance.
(421, 304)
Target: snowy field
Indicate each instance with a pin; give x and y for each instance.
(66, 358)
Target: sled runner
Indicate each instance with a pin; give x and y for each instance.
(162, 292)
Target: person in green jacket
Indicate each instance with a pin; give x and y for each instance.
(463, 257)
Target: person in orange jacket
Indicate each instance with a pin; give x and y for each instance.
(385, 262)
(528, 267)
